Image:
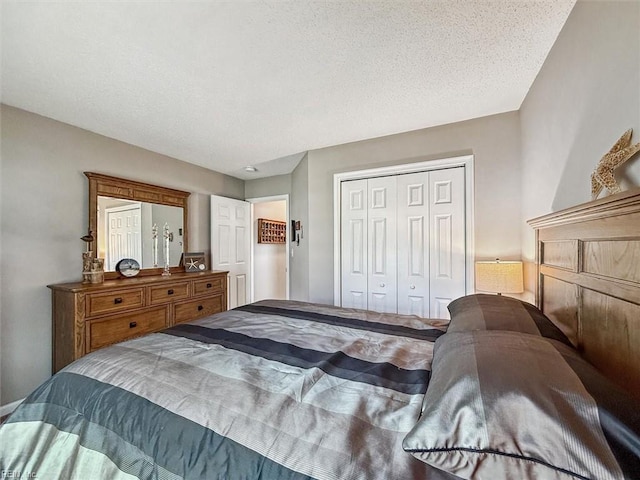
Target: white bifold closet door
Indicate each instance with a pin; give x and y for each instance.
(353, 243)
(403, 242)
(381, 246)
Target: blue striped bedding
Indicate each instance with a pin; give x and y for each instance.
(272, 390)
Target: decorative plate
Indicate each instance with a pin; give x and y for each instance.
(128, 267)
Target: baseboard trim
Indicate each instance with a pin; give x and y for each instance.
(9, 407)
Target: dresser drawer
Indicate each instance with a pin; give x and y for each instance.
(103, 332)
(183, 312)
(169, 292)
(203, 287)
(109, 302)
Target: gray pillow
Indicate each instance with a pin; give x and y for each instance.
(512, 405)
(497, 312)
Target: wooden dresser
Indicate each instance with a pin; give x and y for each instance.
(87, 317)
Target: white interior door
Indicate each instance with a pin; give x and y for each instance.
(354, 244)
(230, 245)
(413, 244)
(381, 245)
(447, 270)
(124, 234)
(406, 251)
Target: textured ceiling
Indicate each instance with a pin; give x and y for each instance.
(228, 84)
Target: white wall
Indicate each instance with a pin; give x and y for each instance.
(269, 259)
(585, 96)
(44, 213)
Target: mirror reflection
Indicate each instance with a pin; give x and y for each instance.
(126, 230)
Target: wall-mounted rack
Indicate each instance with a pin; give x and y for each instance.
(271, 231)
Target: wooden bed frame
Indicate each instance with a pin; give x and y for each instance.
(588, 265)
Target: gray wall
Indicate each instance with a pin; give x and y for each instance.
(494, 142)
(585, 96)
(299, 208)
(266, 187)
(44, 213)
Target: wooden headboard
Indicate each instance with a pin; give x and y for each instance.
(588, 261)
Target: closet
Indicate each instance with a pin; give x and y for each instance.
(403, 242)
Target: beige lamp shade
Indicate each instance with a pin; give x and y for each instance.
(499, 277)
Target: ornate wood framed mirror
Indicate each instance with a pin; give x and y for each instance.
(125, 215)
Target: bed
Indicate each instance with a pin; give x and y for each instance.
(288, 390)
(276, 389)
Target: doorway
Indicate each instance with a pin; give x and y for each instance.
(270, 256)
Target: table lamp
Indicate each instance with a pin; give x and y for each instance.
(499, 277)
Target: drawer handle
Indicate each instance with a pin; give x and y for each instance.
(200, 307)
(117, 300)
(170, 291)
(209, 285)
(133, 324)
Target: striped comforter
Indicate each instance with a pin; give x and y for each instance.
(272, 390)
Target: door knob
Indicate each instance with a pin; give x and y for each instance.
(412, 287)
(382, 284)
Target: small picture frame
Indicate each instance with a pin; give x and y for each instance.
(194, 262)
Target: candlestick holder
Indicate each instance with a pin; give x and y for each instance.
(166, 235)
(154, 237)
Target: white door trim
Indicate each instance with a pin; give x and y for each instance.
(272, 198)
(465, 161)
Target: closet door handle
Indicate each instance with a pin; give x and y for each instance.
(382, 284)
(412, 287)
